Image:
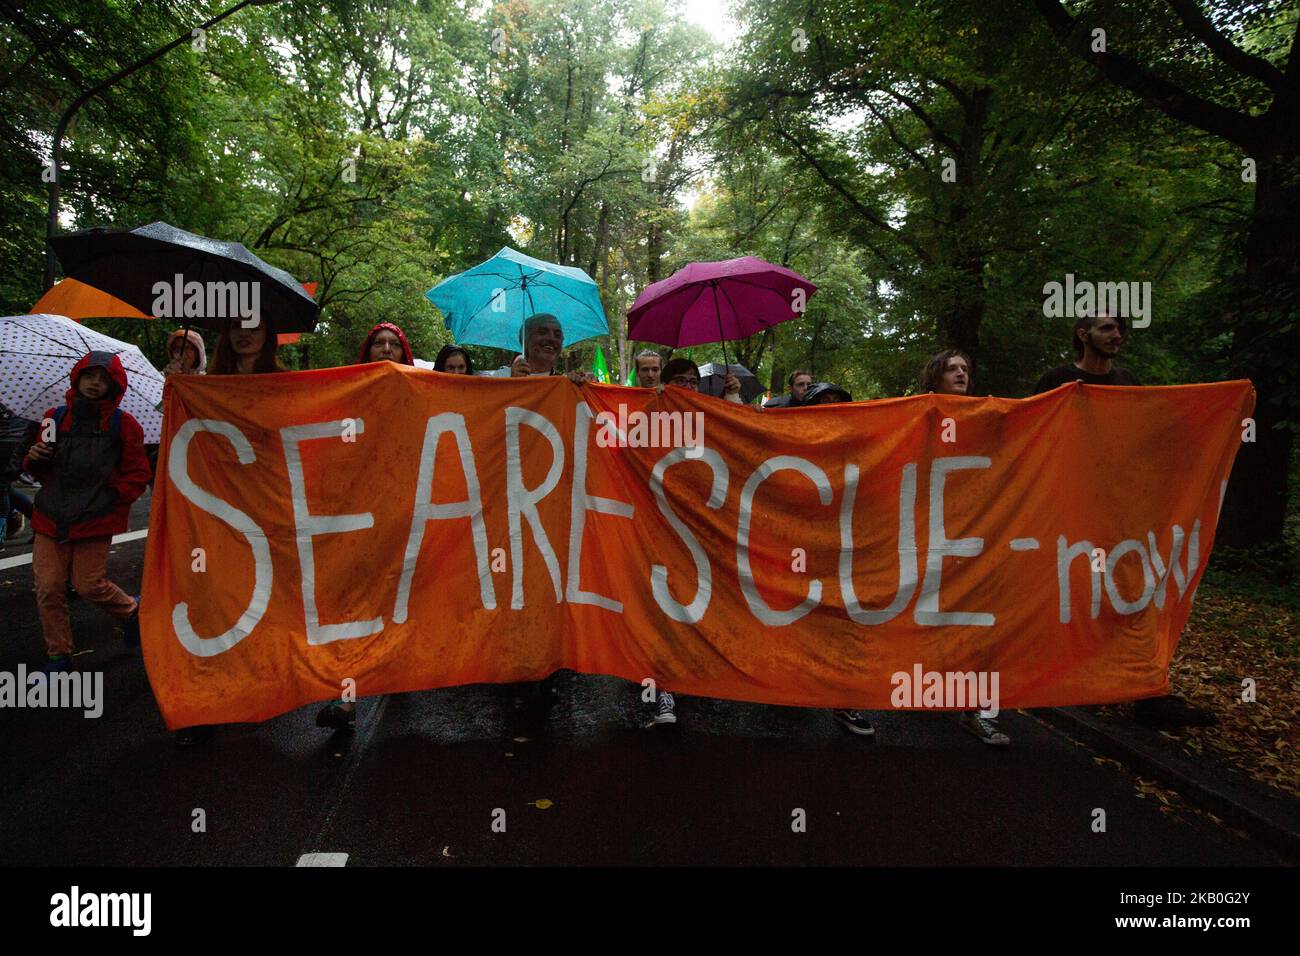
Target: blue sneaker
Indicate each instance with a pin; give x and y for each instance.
(55, 665)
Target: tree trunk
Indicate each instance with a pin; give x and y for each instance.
(1265, 343)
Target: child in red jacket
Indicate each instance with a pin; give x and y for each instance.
(90, 474)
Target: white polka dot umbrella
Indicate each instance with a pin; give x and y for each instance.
(37, 353)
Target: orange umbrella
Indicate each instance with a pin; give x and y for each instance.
(78, 301)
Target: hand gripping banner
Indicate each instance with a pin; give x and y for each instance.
(405, 530)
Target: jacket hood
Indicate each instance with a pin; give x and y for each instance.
(104, 360)
(821, 388)
(408, 357)
(193, 337)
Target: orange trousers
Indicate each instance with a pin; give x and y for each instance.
(83, 561)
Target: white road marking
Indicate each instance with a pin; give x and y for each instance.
(323, 859)
(1024, 544)
(19, 560)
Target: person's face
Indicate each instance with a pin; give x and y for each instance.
(247, 342)
(647, 371)
(183, 351)
(544, 342)
(1104, 338)
(386, 347)
(94, 383)
(801, 383)
(955, 379)
(456, 364)
(686, 379)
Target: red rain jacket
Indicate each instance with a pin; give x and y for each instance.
(128, 478)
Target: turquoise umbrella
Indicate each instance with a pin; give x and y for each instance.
(487, 305)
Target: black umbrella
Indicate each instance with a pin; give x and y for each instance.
(127, 263)
(712, 375)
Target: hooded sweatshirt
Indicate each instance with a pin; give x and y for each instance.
(88, 486)
(194, 339)
(408, 357)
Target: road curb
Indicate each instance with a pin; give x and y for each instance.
(1245, 804)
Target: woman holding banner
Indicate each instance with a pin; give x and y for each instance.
(240, 351)
(385, 342)
(453, 360)
(245, 351)
(949, 373)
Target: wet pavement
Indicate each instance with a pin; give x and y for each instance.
(432, 778)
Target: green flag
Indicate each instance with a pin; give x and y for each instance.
(598, 367)
(631, 376)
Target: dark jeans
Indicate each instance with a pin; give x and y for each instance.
(14, 500)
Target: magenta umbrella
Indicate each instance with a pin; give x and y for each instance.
(716, 301)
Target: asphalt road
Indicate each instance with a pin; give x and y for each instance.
(421, 779)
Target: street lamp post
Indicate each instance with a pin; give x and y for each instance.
(56, 150)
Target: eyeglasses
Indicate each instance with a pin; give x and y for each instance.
(690, 381)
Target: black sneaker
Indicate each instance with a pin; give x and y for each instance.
(985, 728)
(664, 710)
(855, 722)
(1171, 713)
(131, 626)
(334, 716)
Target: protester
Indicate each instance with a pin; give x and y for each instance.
(245, 351)
(240, 351)
(1097, 341)
(948, 373)
(186, 354)
(90, 474)
(649, 364)
(684, 373)
(543, 343)
(385, 343)
(825, 393)
(453, 360)
(799, 381)
(15, 507)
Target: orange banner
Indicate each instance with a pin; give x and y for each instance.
(405, 529)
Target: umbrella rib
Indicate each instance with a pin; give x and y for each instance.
(755, 285)
(38, 332)
(699, 290)
(574, 298)
(35, 354)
